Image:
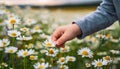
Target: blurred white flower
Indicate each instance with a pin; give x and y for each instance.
(25, 53)
(4, 64)
(85, 52)
(13, 33)
(41, 65)
(26, 38)
(87, 65)
(32, 57)
(49, 43)
(52, 52)
(99, 63)
(108, 59)
(13, 21)
(24, 29)
(11, 49)
(62, 60)
(71, 58)
(63, 67)
(36, 29)
(115, 51)
(30, 22)
(65, 49)
(4, 43)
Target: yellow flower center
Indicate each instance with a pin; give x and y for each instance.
(4, 43)
(108, 36)
(70, 59)
(64, 49)
(13, 21)
(11, 51)
(37, 28)
(32, 57)
(62, 59)
(107, 58)
(99, 64)
(25, 53)
(51, 51)
(14, 34)
(62, 67)
(49, 44)
(84, 53)
(41, 67)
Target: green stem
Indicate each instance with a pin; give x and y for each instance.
(2, 56)
(25, 63)
(12, 60)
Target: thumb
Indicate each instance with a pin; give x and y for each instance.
(62, 39)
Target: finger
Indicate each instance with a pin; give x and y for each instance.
(57, 34)
(62, 39)
(63, 45)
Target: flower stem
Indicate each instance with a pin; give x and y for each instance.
(12, 60)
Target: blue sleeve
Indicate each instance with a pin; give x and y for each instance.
(104, 16)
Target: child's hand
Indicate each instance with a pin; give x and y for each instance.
(65, 33)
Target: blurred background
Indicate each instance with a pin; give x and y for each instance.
(59, 9)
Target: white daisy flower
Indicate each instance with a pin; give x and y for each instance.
(13, 33)
(115, 51)
(65, 49)
(26, 38)
(10, 49)
(71, 58)
(99, 63)
(25, 53)
(63, 67)
(30, 22)
(41, 65)
(62, 60)
(32, 57)
(24, 29)
(5, 42)
(38, 45)
(4, 64)
(13, 21)
(85, 52)
(108, 59)
(49, 43)
(52, 52)
(36, 29)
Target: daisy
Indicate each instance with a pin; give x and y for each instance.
(5, 42)
(41, 65)
(108, 59)
(52, 52)
(63, 67)
(115, 51)
(62, 60)
(32, 57)
(70, 58)
(13, 20)
(30, 22)
(13, 33)
(49, 43)
(99, 63)
(10, 49)
(26, 38)
(25, 53)
(65, 49)
(24, 29)
(85, 52)
(36, 29)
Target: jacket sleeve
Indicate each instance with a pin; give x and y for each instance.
(103, 17)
